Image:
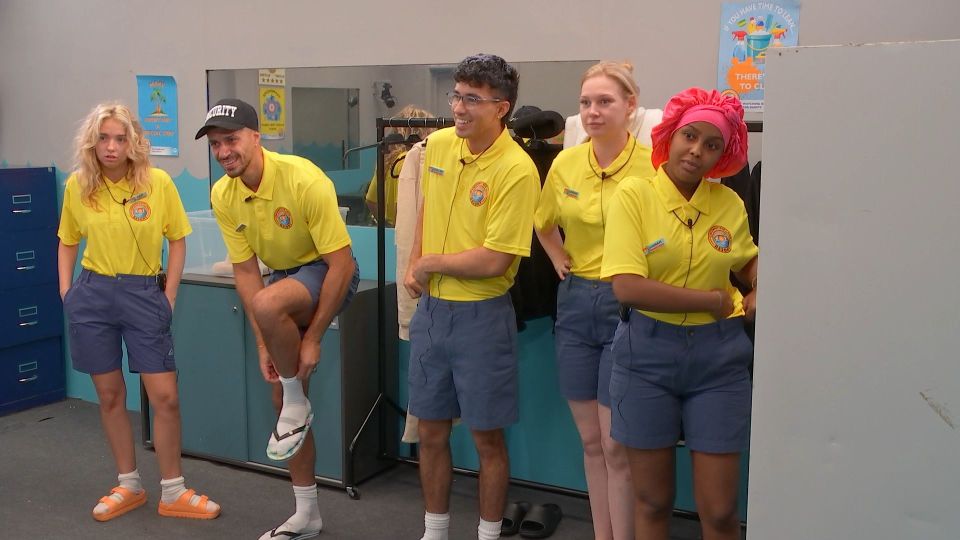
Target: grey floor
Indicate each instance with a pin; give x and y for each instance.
(55, 464)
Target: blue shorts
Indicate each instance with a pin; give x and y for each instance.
(311, 275)
(463, 362)
(587, 317)
(102, 310)
(667, 377)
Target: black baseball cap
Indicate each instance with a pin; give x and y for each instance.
(232, 114)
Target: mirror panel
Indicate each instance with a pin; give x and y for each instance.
(333, 109)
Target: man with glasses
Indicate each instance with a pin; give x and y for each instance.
(479, 189)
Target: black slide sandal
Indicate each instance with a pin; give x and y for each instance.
(541, 521)
(512, 517)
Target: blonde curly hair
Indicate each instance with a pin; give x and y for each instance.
(410, 111)
(87, 167)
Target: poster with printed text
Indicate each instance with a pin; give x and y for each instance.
(273, 77)
(749, 32)
(157, 107)
(273, 112)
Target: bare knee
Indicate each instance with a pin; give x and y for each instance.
(654, 505)
(719, 517)
(434, 436)
(112, 399)
(266, 308)
(592, 446)
(165, 403)
(615, 454)
(490, 445)
(654, 509)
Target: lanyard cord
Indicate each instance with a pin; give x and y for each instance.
(136, 241)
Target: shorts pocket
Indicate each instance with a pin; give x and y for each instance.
(619, 381)
(68, 298)
(165, 309)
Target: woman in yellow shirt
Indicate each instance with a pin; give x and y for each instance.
(680, 354)
(124, 209)
(393, 158)
(575, 198)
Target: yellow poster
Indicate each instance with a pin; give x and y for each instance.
(273, 112)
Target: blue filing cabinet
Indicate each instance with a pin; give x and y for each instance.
(225, 404)
(31, 315)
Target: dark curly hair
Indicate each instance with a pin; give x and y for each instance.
(493, 71)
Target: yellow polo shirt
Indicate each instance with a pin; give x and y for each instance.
(292, 218)
(123, 237)
(647, 235)
(575, 198)
(390, 184)
(487, 199)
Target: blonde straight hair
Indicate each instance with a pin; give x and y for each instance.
(622, 72)
(87, 166)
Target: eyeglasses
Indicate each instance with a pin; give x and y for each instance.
(469, 101)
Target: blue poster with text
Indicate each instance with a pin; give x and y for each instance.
(157, 97)
(749, 32)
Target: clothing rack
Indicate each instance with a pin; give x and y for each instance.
(382, 398)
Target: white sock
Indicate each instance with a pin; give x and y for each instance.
(489, 530)
(436, 526)
(131, 481)
(292, 390)
(172, 489)
(295, 408)
(307, 517)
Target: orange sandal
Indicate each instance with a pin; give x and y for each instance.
(182, 508)
(116, 508)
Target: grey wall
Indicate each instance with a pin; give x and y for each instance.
(855, 428)
(60, 57)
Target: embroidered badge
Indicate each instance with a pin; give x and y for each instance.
(140, 211)
(571, 193)
(282, 217)
(654, 246)
(720, 238)
(436, 170)
(478, 193)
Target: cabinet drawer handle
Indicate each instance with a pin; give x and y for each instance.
(29, 379)
(30, 323)
(27, 211)
(31, 267)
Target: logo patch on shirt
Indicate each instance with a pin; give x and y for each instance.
(478, 193)
(140, 211)
(573, 194)
(283, 218)
(436, 170)
(654, 246)
(720, 238)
